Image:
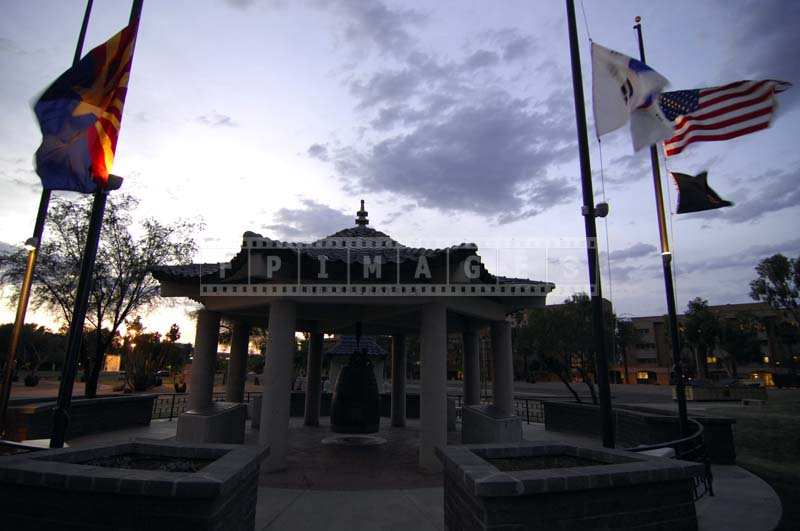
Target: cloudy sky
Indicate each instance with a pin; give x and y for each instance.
(453, 119)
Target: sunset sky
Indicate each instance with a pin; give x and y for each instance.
(454, 120)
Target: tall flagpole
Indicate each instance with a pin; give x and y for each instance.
(61, 411)
(32, 244)
(666, 262)
(589, 214)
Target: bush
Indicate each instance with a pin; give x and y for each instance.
(32, 380)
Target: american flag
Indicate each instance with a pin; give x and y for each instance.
(719, 113)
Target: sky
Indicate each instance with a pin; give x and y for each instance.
(453, 120)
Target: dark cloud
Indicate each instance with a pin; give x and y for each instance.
(487, 157)
(372, 21)
(481, 59)
(439, 134)
(636, 250)
(240, 4)
(766, 44)
(517, 48)
(215, 119)
(318, 151)
(386, 87)
(313, 220)
(512, 44)
(628, 168)
(747, 257)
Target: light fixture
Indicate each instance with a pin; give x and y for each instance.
(31, 243)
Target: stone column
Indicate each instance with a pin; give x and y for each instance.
(472, 367)
(399, 380)
(237, 365)
(201, 387)
(503, 382)
(274, 429)
(433, 399)
(314, 379)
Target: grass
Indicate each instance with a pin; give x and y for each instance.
(768, 444)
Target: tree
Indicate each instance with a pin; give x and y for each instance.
(778, 284)
(625, 336)
(701, 331)
(37, 346)
(122, 283)
(562, 339)
(738, 337)
(544, 336)
(144, 355)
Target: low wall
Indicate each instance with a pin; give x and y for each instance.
(635, 426)
(33, 418)
(713, 394)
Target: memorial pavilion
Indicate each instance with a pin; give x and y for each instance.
(356, 275)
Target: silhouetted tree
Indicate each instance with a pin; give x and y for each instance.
(738, 337)
(625, 336)
(778, 284)
(701, 330)
(122, 283)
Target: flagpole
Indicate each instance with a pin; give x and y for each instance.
(75, 335)
(589, 214)
(666, 262)
(32, 244)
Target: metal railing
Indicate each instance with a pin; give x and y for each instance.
(691, 448)
(171, 405)
(530, 410)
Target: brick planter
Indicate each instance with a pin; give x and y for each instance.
(56, 489)
(636, 425)
(532, 486)
(33, 418)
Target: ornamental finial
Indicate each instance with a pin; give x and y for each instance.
(362, 220)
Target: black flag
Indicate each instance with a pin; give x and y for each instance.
(694, 194)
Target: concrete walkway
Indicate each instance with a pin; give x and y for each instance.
(742, 502)
(356, 510)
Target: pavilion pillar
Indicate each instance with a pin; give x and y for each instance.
(433, 399)
(274, 429)
(237, 366)
(201, 386)
(314, 378)
(503, 381)
(399, 380)
(472, 367)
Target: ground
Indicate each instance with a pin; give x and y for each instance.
(768, 444)
(767, 438)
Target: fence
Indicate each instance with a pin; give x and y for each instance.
(170, 405)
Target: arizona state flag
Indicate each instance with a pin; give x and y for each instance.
(80, 115)
(695, 195)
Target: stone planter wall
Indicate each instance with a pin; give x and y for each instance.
(625, 491)
(635, 426)
(33, 418)
(52, 490)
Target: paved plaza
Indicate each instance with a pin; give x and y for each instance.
(381, 487)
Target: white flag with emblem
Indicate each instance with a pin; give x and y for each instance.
(622, 87)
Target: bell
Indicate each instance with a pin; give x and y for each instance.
(355, 407)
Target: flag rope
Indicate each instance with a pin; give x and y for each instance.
(671, 215)
(586, 22)
(603, 192)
